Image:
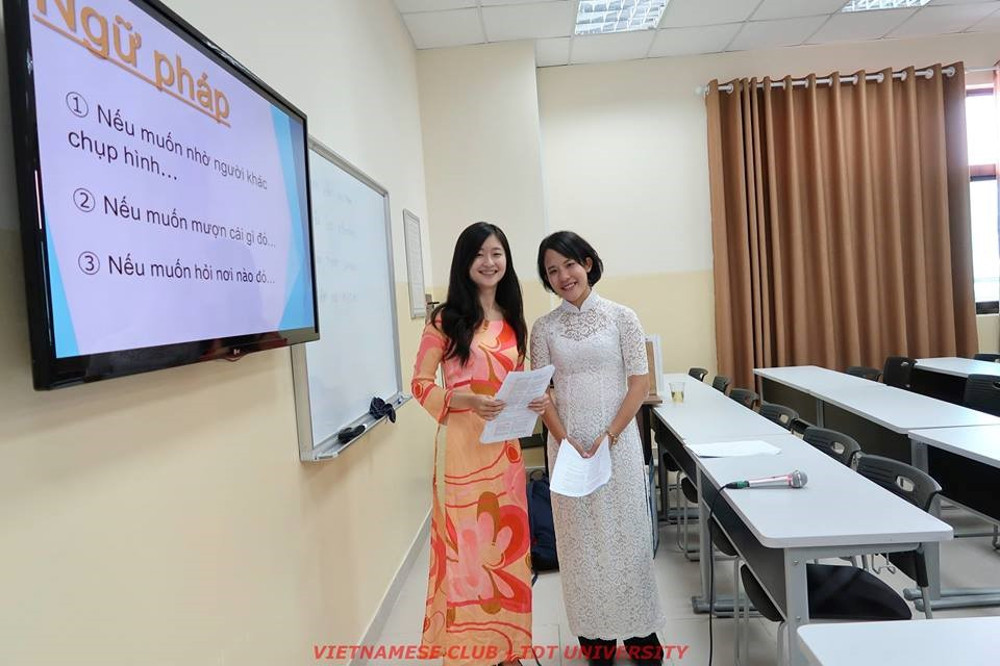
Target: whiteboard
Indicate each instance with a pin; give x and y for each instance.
(357, 355)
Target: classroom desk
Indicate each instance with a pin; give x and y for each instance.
(966, 462)
(777, 531)
(944, 377)
(706, 415)
(878, 416)
(962, 641)
(800, 387)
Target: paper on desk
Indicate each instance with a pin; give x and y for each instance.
(576, 476)
(751, 447)
(517, 390)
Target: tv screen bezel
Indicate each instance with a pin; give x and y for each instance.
(48, 370)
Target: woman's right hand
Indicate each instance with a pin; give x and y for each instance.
(486, 406)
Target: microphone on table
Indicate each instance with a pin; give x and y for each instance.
(794, 479)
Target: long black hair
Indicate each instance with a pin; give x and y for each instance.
(461, 313)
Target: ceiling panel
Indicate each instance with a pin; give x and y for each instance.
(552, 52)
(606, 48)
(944, 19)
(774, 34)
(989, 24)
(860, 26)
(779, 9)
(405, 6)
(457, 27)
(954, 2)
(686, 13)
(523, 21)
(688, 41)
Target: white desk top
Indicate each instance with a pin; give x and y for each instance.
(959, 367)
(837, 507)
(813, 379)
(706, 415)
(980, 443)
(900, 410)
(963, 641)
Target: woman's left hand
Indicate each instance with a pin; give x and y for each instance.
(539, 405)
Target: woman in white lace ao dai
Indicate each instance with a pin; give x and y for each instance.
(603, 540)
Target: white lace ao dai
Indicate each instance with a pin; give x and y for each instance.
(603, 540)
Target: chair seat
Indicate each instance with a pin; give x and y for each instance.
(837, 593)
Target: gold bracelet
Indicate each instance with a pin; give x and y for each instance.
(612, 438)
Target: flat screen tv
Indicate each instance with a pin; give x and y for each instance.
(163, 194)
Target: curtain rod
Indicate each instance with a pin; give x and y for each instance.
(878, 76)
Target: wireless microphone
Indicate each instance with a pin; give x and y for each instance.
(794, 479)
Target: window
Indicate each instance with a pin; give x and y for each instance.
(983, 124)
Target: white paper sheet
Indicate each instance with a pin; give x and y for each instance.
(576, 476)
(517, 390)
(750, 447)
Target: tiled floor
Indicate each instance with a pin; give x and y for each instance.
(965, 563)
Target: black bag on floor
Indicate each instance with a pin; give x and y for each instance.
(543, 531)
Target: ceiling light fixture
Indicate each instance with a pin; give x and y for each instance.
(595, 17)
(872, 5)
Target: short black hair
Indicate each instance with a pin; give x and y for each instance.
(571, 246)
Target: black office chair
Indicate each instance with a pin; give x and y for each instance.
(865, 372)
(721, 383)
(726, 547)
(982, 393)
(783, 416)
(897, 371)
(745, 397)
(992, 358)
(836, 592)
(837, 445)
(799, 426)
(698, 373)
(690, 492)
(916, 487)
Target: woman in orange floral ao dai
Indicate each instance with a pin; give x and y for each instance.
(478, 606)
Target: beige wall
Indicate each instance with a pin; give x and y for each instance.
(482, 156)
(165, 518)
(625, 164)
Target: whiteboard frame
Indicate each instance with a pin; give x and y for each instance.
(309, 449)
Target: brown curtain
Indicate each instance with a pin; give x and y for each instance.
(840, 221)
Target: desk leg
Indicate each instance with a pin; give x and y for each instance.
(704, 543)
(796, 607)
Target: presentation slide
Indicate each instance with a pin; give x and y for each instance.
(174, 194)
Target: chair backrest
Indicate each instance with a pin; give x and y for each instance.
(720, 539)
(992, 358)
(698, 373)
(756, 594)
(745, 397)
(897, 371)
(799, 426)
(982, 392)
(913, 485)
(721, 383)
(864, 371)
(837, 445)
(783, 416)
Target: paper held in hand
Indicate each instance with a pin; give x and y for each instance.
(517, 390)
(576, 476)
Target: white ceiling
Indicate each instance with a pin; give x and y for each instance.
(687, 27)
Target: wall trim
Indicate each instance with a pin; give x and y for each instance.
(392, 592)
